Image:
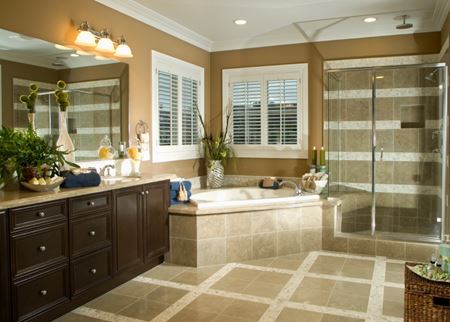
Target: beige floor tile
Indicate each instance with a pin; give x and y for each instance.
(311, 296)
(72, 317)
(227, 318)
(293, 315)
(263, 289)
(143, 310)
(134, 289)
(207, 270)
(209, 303)
(335, 318)
(110, 302)
(393, 309)
(348, 302)
(321, 284)
(190, 277)
(395, 273)
(164, 272)
(230, 284)
(274, 278)
(186, 315)
(259, 262)
(350, 288)
(246, 310)
(244, 274)
(328, 265)
(166, 295)
(286, 263)
(358, 268)
(394, 294)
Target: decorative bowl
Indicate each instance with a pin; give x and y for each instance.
(54, 186)
(318, 186)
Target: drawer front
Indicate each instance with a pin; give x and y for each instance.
(40, 293)
(90, 203)
(36, 215)
(91, 270)
(39, 248)
(90, 233)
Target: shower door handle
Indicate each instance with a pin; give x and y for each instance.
(381, 153)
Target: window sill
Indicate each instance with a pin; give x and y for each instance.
(173, 153)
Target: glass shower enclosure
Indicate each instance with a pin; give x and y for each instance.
(385, 130)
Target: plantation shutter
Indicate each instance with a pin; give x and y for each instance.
(246, 117)
(168, 108)
(189, 111)
(282, 112)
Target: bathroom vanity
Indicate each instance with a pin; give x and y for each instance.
(60, 250)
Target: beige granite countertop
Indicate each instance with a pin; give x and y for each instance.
(22, 197)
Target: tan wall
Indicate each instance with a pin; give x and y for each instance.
(51, 20)
(313, 54)
(445, 31)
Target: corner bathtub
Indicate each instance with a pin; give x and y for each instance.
(247, 196)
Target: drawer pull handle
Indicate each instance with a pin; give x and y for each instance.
(41, 214)
(42, 248)
(92, 233)
(146, 192)
(93, 271)
(142, 193)
(43, 292)
(91, 203)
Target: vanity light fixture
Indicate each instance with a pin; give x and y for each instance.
(101, 41)
(370, 19)
(240, 22)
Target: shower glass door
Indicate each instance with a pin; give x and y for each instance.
(408, 151)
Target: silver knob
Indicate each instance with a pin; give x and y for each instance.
(142, 193)
(93, 271)
(91, 203)
(146, 192)
(43, 292)
(92, 233)
(42, 248)
(41, 214)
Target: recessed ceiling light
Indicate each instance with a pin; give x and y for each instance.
(240, 22)
(370, 19)
(74, 55)
(61, 47)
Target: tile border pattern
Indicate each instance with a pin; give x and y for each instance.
(375, 305)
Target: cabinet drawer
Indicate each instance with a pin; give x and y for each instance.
(36, 215)
(90, 203)
(33, 250)
(90, 233)
(91, 270)
(43, 291)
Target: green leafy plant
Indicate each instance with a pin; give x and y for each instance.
(24, 150)
(30, 100)
(217, 147)
(62, 96)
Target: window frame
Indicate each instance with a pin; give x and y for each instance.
(263, 74)
(172, 65)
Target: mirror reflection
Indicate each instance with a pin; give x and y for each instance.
(97, 90)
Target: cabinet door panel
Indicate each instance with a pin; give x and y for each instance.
(156, 223)
(128, 228)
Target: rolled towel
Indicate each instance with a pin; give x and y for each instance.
(91, 179)
(175, 185)
(174, 194)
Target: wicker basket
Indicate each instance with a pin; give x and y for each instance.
(425, 300)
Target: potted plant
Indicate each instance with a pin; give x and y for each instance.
(64, 141)
(217, 152)
(30, 101)
(28, 155)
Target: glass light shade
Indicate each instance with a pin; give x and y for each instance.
(123, 50)
(105, 45)
(85, 38)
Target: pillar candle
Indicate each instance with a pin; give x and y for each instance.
(322, 156)
(314, 156)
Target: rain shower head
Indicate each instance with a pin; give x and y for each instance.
(404, 25)
(430, 76)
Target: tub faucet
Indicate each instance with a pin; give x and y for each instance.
(298, 190)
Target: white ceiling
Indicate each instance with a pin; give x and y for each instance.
(209, 23)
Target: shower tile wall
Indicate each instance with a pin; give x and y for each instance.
(408, 178)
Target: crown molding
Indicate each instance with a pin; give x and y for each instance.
(440, 13)
(152, 18)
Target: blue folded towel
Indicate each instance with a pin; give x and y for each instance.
(175, 185)
(91, 179)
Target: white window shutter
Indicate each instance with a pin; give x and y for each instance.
(189, 111)
(168, 108)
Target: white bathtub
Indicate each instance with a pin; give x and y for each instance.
(247, 196)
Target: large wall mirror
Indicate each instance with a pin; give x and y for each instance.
(98, 92)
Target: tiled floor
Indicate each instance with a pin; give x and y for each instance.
(309, 287)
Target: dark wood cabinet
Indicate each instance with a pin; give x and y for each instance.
(156, 219)
(60, 254)
(128, 211)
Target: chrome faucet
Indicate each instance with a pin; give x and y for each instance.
(298, 190)
(106, 170)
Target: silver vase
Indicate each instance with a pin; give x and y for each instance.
(215, 174)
